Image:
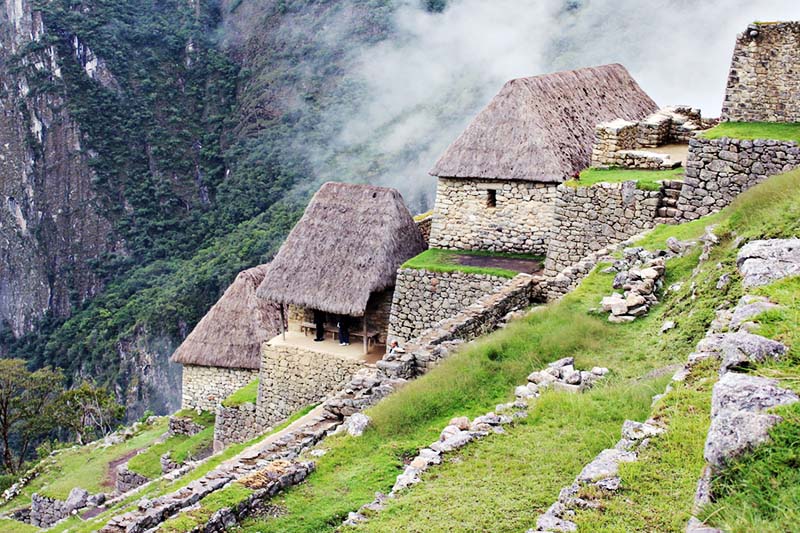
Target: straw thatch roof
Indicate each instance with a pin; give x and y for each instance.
(349, 243)
(542, 128)
(231, 333)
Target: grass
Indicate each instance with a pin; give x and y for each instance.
(180, 447)
(203, 418)
(12, 526)
(423, 216)
(85, 467)
(776, 131)
(221, 499)
(438, 260)
(511, 478)
(246, 394)
(647, 180)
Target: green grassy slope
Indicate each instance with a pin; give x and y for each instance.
(645, 179)
(755, 130)
(438, 260)
(501, 484)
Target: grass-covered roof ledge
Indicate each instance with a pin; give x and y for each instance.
(348, 244)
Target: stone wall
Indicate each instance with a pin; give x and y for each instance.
(423, 298)
(128, 479)
(235, 424)
(480, 318)
(519, 222)
(717, 170)
(590, 218)
(205, 386)
(424, 224)
(184, 425)
(622, 143)
(292, 378)
(763, 83)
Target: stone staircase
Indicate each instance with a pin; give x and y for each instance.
(667, 210)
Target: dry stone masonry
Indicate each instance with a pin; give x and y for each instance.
(559, 375)
(235, 424)
(763, 85)
(622, 143)
(423, 298)
(718, 170)
(587, 219)
(184, 425)
(205, 386)
(292, 378)
(507, 216)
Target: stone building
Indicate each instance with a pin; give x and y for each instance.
(341, 260)
(763, 83)
(223, 352)
(497, 181)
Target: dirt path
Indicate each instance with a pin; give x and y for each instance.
(111, 475)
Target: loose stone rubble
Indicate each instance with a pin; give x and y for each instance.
(558, 375)
(640, 274)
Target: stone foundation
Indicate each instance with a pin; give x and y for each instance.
(590, 218)
(235, 424)
(292, 378)
(718, 170)
(423, 298)
(183, 425)
(763, 83)
(621, 143)
(128, 480)
(205, 386)
(499, 216)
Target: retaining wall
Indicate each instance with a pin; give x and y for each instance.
(480, 318)
(519, 222)
(423, 298)
(235, 424)
(718, 170)
(292, 378)
(763, 83)
(587, 219)
(205, 386)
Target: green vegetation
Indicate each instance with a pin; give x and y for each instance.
(246, 394)
(518, 475)
(227, 497)
(645, 179)
(755, 130)
(84, 466)
(437, 260)
(181, 448)
(423, 216)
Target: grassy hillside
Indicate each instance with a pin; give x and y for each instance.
(513, 478)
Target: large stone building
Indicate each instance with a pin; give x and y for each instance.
(340, 260)
(497, 181)
(222, 353)
(763, 84)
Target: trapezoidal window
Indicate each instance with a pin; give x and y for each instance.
(491, 198)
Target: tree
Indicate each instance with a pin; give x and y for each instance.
(28, 402)
(89, 411)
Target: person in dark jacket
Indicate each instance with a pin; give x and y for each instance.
(344, 330)
(319, 322)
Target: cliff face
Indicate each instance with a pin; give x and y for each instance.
(49, 225)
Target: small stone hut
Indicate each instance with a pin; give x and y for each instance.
(341, 259)
(223, 352)
(497, 181)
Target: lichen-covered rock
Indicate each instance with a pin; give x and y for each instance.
(738, 418)
(764, 261)
(748, 308)
(742, 349)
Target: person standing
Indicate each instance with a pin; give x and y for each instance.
(319, 323)
(344, 330)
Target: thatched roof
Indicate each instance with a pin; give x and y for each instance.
(231, 333)
(542, 128)
(349, 243)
